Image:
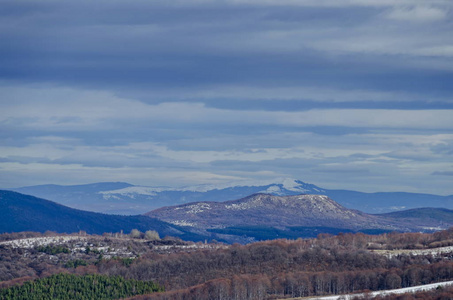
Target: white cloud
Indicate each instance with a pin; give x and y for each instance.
(417, 13)
(300, 92)
(390, 158)
(53, 110)
(338, 3)
(440, 51)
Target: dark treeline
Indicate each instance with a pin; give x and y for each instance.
(274, 269)
(67, 286)
(53, 249)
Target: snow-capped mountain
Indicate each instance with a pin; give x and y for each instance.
(124, 198)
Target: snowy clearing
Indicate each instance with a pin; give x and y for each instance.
(419, 288)
(433, 251)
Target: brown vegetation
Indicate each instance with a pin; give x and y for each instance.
(266, 270)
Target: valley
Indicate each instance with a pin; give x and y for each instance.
(259, 247)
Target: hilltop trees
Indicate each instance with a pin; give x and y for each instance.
(152, 235)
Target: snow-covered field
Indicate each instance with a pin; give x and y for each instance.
(78, 244)
(433, 251)
(419, 288)
(41, 241)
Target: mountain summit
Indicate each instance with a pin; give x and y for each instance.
(268, 210)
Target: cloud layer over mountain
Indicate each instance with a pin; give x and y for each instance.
(347, 94)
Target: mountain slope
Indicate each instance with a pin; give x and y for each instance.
(270, 210)
(27, 213)
(85, 197)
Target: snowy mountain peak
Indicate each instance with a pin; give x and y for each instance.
(289, 186)
(284, 186)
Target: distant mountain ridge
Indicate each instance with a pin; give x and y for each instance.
(124, 198)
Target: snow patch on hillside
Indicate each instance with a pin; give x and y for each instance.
(238, 206)
(435, 252)
(293, 185)
(274, 189)
(130, 191)
(413, 289)
(195, 208)
(183, 223)
(41, 241)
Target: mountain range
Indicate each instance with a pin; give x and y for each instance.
(256, 217)
(125, 198)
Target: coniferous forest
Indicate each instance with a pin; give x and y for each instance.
(69, 286)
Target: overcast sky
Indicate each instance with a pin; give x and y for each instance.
(351, 94)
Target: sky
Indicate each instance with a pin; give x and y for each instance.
(344, 94)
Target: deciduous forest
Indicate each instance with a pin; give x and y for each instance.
(346, 263)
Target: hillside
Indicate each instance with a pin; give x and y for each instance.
(270, 210)
(85, 197)
(124, 198)
(437, 218)
(27, 213)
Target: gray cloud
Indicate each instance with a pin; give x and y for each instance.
(443, 173)
(345, 93)
(195, 46)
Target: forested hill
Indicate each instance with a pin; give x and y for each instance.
(27, 213)
(425, 214)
